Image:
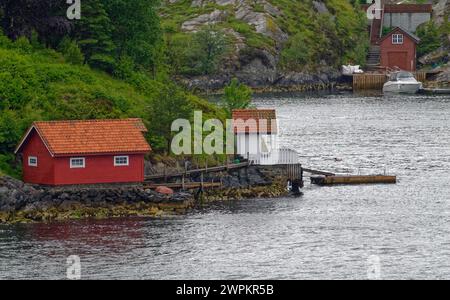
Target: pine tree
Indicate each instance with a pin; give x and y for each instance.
(137, 32)
(93, 33)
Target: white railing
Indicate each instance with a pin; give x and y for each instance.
(283, 156)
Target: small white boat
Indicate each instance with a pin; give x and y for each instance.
(402, 82)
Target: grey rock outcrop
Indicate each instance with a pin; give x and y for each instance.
(207, 19)
(256, 66)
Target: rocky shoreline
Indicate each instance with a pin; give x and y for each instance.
(21, 202)
(260, 82)
(24, 203)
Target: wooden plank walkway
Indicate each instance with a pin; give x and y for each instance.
(198, 171)
(316, 172)
(186, 186)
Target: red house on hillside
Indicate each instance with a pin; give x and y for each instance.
(398, 50)
(84, 152)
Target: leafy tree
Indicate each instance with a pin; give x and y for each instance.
(430, 38)
(136, 33)
(125, 68)
(178, 53)
(209, 46)
(93, 33)
(172, 104)
(236, 96)
(9, 131)
(297, 52)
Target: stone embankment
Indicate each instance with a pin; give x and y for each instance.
(20, 202)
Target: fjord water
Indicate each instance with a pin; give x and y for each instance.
(330, 233)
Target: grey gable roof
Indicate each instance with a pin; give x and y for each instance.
(411, 35)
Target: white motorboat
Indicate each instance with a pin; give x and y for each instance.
(402, 82)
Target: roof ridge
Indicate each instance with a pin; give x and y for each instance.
(254, 109)
(91, 136)
(411, 35)
(89, 120)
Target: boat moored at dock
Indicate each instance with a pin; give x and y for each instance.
(402, 82)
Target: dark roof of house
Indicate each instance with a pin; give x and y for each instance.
(414, 37)
(408, 8)
(255, 121)
(64, 138)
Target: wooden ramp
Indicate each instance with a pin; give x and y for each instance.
(188, 173)
(186, 186)
(353, 179)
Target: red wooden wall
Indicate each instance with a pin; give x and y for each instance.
(99, 169)
(44, 172)
(402, 56)
(57, 171)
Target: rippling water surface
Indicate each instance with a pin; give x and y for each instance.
(329, 233)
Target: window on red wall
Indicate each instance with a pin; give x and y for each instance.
(32, 161)
(77, 163)
(121, 161)
(397, 39)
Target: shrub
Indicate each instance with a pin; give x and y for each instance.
(23, 45)
(430, 38)
(236, 96)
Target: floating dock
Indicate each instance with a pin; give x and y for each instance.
(353, 179)
(427, 91)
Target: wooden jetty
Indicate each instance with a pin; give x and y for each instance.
(353, 179)
(435, 91)
(375, 81)
(185, 186)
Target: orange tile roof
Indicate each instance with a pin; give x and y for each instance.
(264, 121)
(92, 136)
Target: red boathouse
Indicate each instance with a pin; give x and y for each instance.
(398, 50)
(84, 152)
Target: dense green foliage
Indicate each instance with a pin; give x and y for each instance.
(236, 96)
(107, 31)
(197, 54)
(430, 38)
(209, 45)
(136, 31)
(93, 33)
(327, 38)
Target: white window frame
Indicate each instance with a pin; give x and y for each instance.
(72, 166)
(398, 39)
(30, 164)
(121, 164)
